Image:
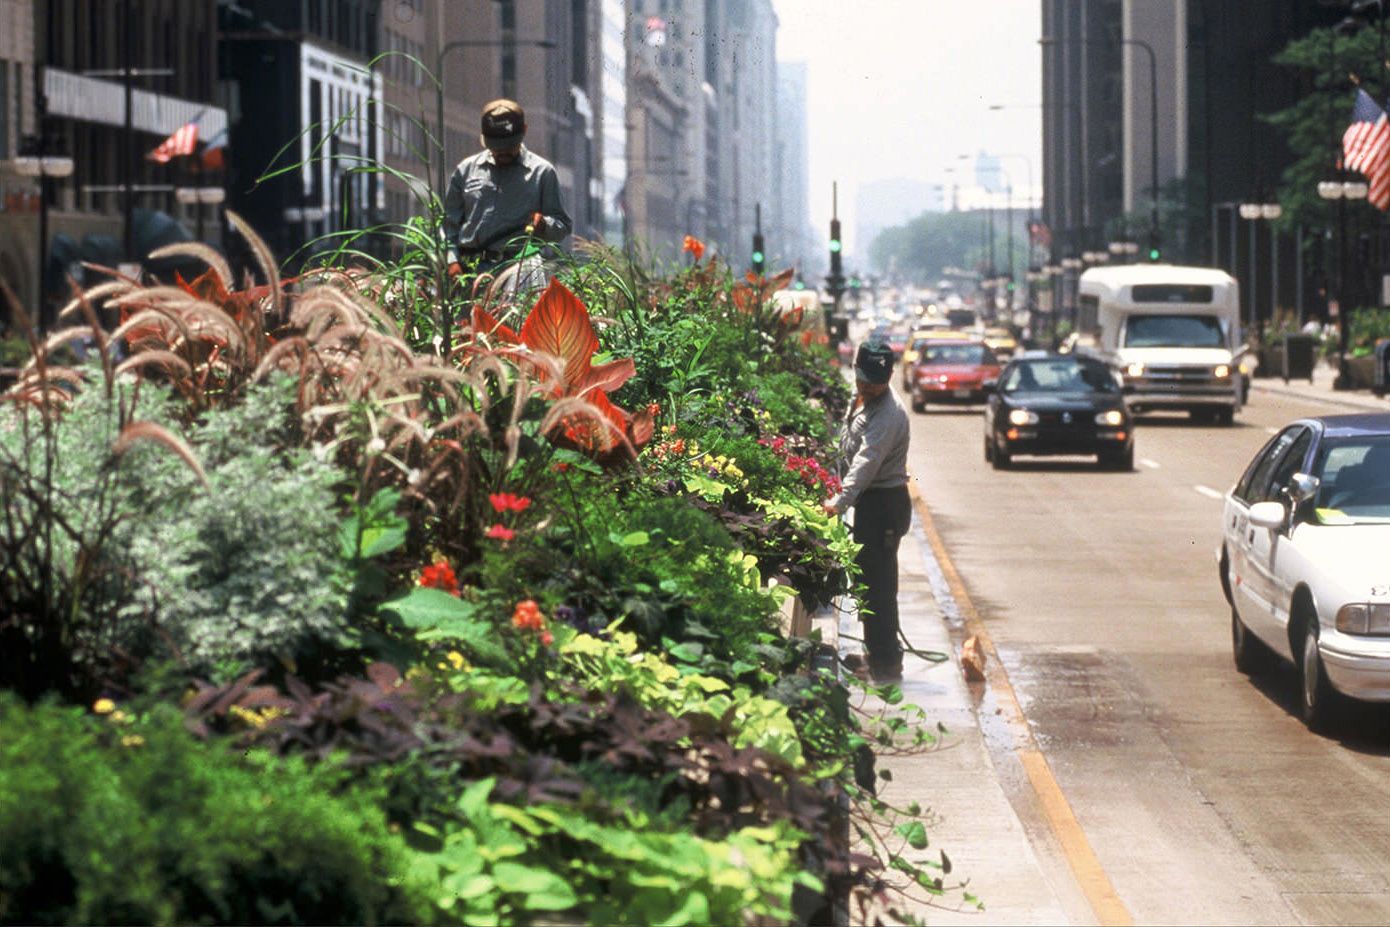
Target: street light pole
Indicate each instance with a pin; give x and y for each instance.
(1153, 137)
(439, 87)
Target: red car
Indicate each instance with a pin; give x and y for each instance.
(951, 371)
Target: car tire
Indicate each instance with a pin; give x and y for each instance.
(989, 449)
(1001, 459)
(919, 404)
(1252, 656)
(1316, 696)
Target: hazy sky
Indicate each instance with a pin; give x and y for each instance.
(902, 88)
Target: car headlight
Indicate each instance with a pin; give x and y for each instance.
(1023, 417)
(1364, 618)
(1112, 417)
(1221, 371)
(1135, 369)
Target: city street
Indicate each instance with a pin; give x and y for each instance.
(1200, 794)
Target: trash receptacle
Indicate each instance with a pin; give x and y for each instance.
(1298, 354)
(1380, 383)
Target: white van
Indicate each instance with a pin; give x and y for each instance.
(1172, 332)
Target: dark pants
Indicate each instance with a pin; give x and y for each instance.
(881, 518)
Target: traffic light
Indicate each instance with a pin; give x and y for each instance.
(836, 281)
(1154, 253)
(758, 253)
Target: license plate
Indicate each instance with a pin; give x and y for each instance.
(964, 393)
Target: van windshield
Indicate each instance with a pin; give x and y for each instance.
(1173, 331)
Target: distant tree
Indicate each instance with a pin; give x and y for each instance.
(924, 247)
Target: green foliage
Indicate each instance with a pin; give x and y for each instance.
(496, 869)
(121, 820)
(220, 572)
(1368, 326)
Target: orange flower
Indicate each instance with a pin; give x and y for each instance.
(694, 246)
(528, 615)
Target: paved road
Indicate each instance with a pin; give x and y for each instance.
(1202, 797)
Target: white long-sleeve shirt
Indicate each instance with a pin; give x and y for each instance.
(874, 445)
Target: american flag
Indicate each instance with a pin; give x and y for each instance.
(182, 142)
(1366, 147)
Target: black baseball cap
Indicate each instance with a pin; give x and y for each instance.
(504, 125)
(874, 362)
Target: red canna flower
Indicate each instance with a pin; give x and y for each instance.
(440, 576)
(501, 533)
(694, 246)
(506, 502)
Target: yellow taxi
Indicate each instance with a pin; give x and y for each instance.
(1001, 341)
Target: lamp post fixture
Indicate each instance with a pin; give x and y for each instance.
(1254, 212)
(209, 196)
(1340, 191)
(38, 162)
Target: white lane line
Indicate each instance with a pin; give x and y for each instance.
(1146, 462)
(1209, 492)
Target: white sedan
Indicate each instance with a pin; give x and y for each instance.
(1305, 559)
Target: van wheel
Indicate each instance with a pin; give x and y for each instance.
(1225, 416)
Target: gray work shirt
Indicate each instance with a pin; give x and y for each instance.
(874, 447)
(488, 204)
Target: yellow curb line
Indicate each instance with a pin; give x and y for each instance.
(1090, 875)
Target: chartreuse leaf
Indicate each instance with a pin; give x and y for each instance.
(541, 890)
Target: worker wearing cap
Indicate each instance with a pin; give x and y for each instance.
(873, 454)
(503, 202)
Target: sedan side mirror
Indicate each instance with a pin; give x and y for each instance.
(990, 385)
(1268, 515)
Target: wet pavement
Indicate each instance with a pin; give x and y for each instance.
(991, 797)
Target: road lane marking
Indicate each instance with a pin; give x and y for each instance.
(1090, 875)
(1209, 492)
(1146, 462)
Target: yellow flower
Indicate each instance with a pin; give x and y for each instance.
(457, 659)
(103, 706)
(132, 740)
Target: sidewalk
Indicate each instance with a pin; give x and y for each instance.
(1011, 859)
(1320, 388)
(971, 817)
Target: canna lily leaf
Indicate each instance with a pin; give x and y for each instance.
(559, 325)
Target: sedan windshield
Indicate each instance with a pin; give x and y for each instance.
(1060, 375)
(1355, 480)
(962, 354)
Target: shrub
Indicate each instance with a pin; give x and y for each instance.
(112, 820)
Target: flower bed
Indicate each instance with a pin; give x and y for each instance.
(496, 631)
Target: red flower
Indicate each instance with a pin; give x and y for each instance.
(528, 615)
(501, 533)
(506, 502)
(440, 576)
(694, 246)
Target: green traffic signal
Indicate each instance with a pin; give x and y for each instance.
(835, 244)
(757, 257)
(1153, 254)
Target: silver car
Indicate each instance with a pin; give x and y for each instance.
(1305, 559)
